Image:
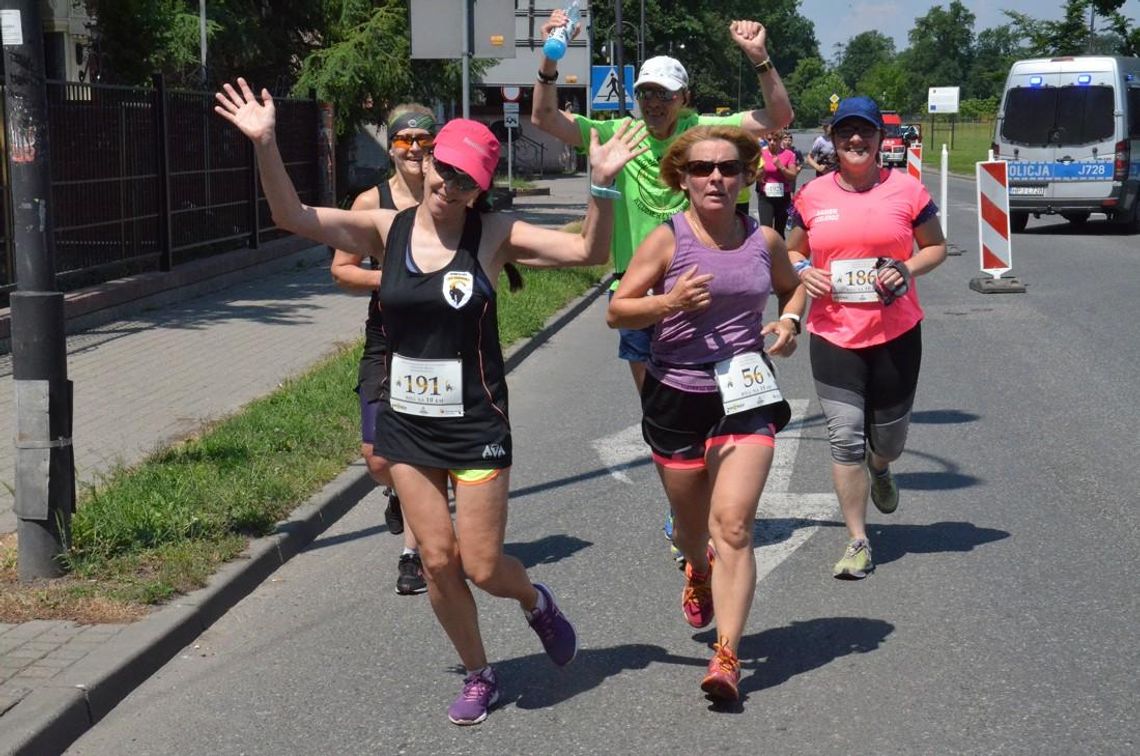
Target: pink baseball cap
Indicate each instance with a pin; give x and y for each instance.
(469, 146)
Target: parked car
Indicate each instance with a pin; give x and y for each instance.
(893, 150)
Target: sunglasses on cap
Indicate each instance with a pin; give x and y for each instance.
(405, 141)
(703, 168)
(664, 95)
(848, 130)
(453, 176)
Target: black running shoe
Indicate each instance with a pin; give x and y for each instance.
(411, 580)
(393, 515)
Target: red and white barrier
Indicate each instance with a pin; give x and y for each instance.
(993, 217)
(914, 161)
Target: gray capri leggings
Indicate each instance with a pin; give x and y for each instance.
(867, 394)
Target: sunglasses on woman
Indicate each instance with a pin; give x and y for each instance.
(405, 141)
(453, 176)
(663, 95)
(703, 168)
(848, 130)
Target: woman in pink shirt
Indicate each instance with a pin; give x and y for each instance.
(775, 181)
(852, 242)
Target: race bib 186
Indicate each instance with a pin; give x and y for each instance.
(853, 280)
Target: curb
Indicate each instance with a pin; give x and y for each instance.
(51, 719)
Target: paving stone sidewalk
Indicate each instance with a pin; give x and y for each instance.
(143, 382)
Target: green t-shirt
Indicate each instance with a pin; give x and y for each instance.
(645, 202)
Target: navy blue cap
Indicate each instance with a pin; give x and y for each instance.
(859, 106)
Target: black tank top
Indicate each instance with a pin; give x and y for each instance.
(373, 365)
(446, 314)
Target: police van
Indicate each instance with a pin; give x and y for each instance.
(1070, 129)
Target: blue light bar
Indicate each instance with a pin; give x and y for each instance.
(1035, 81)
(1084, 79)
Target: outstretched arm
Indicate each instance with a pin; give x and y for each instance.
(544, 111)
(543, 247)
(355, 232)
(752, 39)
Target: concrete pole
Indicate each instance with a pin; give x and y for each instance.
(945, 189)
(45, 465)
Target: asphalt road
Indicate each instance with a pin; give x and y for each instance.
(1002, 617)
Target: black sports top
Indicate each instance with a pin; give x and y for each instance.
(373, 365)
(447, 314)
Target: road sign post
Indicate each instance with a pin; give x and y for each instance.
(510, 122)
(606, 89)
(994, 247)
(45, 463)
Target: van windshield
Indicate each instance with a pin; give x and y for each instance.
(1058, 115)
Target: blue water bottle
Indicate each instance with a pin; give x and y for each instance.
(555, 45)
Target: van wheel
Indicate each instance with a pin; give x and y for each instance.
(1131, 224)
(1076, 219)
(1018, 221)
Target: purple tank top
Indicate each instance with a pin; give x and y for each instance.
(687, 345)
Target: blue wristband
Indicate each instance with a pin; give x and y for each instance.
(604, 192)
(801, 266)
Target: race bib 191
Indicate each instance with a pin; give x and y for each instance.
(746, 381)
(427, 388)
(853, 280)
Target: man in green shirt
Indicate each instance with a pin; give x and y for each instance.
(662, 92)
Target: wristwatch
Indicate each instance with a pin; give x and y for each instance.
(764, 66)
(795, 320)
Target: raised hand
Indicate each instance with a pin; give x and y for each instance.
(241, 108)
(607, 160)
(691, 291)
(752, 38)
(558, 18)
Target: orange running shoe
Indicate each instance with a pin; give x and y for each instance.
(724, 674)
(696, 598)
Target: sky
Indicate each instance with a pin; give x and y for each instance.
(894, 18)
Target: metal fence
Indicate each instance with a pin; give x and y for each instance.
(149, 178)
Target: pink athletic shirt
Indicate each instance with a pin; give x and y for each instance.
(879, 222)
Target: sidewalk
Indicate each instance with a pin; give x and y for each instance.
(143, 382)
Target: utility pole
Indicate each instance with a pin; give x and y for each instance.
(45, 464)
(620, 59)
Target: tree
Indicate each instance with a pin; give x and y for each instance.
(261, 41)
(861, 53)
(364, 64)
(995, 51)
(810, 87)
(941, 47)
(1073, 35)
(696, 33)
(887, 81)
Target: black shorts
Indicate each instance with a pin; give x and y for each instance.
(681, 426)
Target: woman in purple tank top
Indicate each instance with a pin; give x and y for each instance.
(710, 404)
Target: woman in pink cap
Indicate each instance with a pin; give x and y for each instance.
(446, 412)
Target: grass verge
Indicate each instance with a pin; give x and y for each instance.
(144, 534)
(971, 144)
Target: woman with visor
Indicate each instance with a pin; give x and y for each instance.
(410, 134)
(445, 416)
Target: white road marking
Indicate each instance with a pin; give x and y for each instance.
(784, 520)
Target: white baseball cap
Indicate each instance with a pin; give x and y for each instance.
(664, 71)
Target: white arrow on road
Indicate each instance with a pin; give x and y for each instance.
(784, 521)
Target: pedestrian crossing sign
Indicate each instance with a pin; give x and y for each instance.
(604, 92)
